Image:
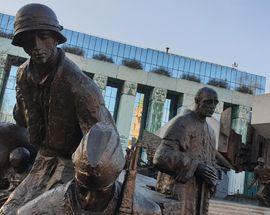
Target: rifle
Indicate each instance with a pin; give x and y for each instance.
(128, 189)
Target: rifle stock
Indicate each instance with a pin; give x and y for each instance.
(128, 189)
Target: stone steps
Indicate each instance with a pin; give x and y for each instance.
(229, 208)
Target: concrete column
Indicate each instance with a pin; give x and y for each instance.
(187, 103)
(155, 109)
(3, 59)
(240, 121)
(101, 81)
(241, 117)
(218, 111)
(125, 112)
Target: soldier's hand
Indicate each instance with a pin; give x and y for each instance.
(207, 173)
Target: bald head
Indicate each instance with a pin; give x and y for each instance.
(206, 100)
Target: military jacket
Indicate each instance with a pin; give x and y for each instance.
(70, 104)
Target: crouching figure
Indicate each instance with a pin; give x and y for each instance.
(98, 162)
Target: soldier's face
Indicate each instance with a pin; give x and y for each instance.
(207, 104)
(40, 45)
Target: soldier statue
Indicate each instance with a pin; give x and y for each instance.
(20, 165)
(186, 156)
(56, 102)
(98, 161)
(262, 175)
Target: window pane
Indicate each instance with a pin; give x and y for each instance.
(137, 115)
(171, 61)
(144, 53)
(233, 75)
(192, 66)
(110, 99)
(154, 58)
(213, 71)
(92, 43)
(97, 45)
(9, 97)
(149, 56)
(187, 65)
(132, 52)
(160, 59)
(127, 51)
(228, 74)
(86, 41)
(121, 50)
(202, 69)
(80, 40)
(109, 47)
(74, 38)
(165, 60)
(166, 112)
(115, 48)
(4, 22)
(104, 46)
(182, 64)
(10, 24)
(223, 73)
(138, 54)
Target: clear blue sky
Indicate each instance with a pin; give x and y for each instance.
(212, 30)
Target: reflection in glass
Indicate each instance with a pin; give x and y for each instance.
(115, 48)
(74, 38)
(187, 64)
(110, 99)
(104, 46)
(171, 61)
(166, 112)
(80, 40)
(150, 58)
(192, 66)
(127, 51)
(9, 97)
(137, 115)
(97, 45)
(154, 59)
(132, 52)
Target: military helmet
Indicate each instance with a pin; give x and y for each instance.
(99, 157)
(19, 157)
(36, 17)
(260, 160)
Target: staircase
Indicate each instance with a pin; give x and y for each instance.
(229, 208)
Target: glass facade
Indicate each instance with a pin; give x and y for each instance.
(166, 112)
(151, 59)
(137, 115)
(9, 97)
(110, 95)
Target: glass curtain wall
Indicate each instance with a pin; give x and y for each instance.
(9, 97)
(152, 59)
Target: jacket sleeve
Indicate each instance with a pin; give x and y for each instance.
(90, 107)
(171, 156)
(19, 108)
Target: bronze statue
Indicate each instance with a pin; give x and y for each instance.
(262, 175)
(11, 137)
(56, 102)
(98, 161)
(187, 156)
(20, 165)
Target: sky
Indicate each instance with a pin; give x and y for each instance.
(219, 31)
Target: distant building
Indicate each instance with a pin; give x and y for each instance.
(141, 99)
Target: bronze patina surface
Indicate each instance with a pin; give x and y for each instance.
(56, 102)
(98, 162)
(186, 157)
